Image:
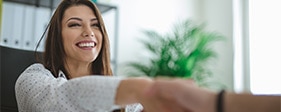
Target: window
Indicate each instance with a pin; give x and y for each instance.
(257, 56)
(264, 46)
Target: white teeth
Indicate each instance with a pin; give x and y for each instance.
(86, 44)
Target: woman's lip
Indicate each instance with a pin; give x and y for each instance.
(86, 43)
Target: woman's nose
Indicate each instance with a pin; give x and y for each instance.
(88, 32)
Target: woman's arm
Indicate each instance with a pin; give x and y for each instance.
(37, 90)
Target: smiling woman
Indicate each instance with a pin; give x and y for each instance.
(82, 40)
(75, 69)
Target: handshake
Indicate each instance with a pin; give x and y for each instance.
(183, 95)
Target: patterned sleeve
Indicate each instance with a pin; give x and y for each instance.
(38, 91)
(134, 108)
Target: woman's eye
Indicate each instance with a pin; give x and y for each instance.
(96, 25)
(74, 25)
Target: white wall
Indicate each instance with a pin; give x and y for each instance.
(159, 15)
(156, 15)
(219, 17)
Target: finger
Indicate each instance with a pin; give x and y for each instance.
(186, 82)
(163, 78)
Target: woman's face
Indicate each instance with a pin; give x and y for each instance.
(81, 35)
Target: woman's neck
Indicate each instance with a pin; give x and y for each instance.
(78, 69)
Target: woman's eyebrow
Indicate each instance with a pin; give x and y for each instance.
(79, 19)
(75, 18)
(94, 19)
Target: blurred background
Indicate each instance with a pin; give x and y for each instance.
(247, 60)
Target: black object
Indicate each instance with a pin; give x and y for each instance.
(13, 63)
(220, 101)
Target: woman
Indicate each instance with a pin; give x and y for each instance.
(77, 46)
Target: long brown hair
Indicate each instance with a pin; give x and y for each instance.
(54, 54)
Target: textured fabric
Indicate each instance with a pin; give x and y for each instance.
(37, 90)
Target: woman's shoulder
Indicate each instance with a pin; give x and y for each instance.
(36, 68)
(36, 65)
(33, 73)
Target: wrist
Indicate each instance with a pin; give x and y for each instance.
(141, 88)
(131, 90)
(210, 103)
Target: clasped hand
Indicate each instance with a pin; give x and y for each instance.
(171, 95)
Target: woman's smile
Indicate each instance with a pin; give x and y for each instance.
(86, 44)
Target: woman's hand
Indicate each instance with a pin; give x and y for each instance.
(164, 95)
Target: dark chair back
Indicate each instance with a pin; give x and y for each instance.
(13, 63)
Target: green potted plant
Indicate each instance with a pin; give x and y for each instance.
(183, 53)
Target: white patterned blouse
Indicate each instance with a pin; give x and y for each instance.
(37, 90)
